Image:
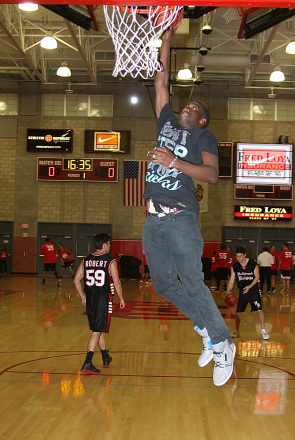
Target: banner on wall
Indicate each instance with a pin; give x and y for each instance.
(201, 191)
(49, 140)
(271, 213)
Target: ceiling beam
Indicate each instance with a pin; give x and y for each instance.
(26, 58)
(81, 51)
(261, 55)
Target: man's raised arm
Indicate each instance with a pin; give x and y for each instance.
(161, 78)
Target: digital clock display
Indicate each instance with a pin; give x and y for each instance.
(77, 164)
(77, 170)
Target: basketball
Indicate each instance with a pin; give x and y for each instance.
(231, 300)
(162, 14)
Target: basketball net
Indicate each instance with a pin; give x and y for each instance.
(234, 13)
(135, 35)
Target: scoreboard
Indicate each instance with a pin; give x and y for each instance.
(77, 170)
(271, 192)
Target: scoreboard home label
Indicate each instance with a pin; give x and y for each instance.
(77, 170)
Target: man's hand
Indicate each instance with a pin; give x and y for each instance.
(83, 299)
(161, 155)
(246, 289)
(122, 303)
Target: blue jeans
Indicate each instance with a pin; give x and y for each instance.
(173, 246)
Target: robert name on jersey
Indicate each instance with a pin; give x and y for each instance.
(95, 263)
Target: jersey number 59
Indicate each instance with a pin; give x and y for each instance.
(95, 277)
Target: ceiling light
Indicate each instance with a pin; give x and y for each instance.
(290, 49)
(48, 42)
(64, 70)
(28, 7)
(277, 75)
(134, 100)
(184, 74)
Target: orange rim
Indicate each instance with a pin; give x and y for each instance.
(143, 10)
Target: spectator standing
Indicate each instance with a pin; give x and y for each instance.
(146, 273)
(274, 267)
(285, 266)
(3, 260)
(265, 261)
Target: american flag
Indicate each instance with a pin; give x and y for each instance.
(134, 182)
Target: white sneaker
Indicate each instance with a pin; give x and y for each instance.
(223, 356)
(148, 284)
(207, 353)
(265, 335)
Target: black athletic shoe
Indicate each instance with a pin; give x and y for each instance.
(106, 358)
(59, 283)
(89, 368)
(42, 284)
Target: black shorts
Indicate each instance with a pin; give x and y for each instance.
(146, 269)
(251, 297)
(49, 266)
(274, 272)
(221, 273)
(286, 274)
(213, 274)
(99, 308)
(68, 264)
(228, 272)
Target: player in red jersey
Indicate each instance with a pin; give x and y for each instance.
(222, 259)
(67, 261)
(231, 261)
(286, 266)
(49, 251)
(213, 271)
(274, 267)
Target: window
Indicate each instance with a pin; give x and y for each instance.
(261, 109)
(8, 105)
(99, 106)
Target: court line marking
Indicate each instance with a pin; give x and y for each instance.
(8, 369)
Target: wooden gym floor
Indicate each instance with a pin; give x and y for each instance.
(154, 389)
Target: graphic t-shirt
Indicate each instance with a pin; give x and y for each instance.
(49, 251)
(170, 187)
(286, 257)
(66, 255)
(275, 256)
(245, 275)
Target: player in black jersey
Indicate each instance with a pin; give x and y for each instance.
(246, 273)
(100, 278)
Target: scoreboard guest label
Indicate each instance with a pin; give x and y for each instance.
(49, 140)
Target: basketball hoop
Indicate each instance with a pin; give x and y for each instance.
(234, 13)
(134, 32)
